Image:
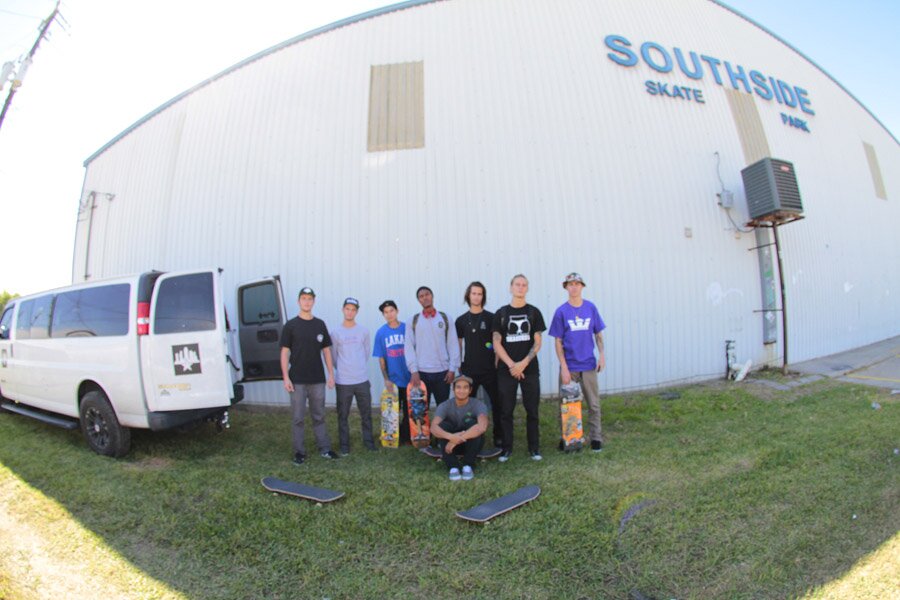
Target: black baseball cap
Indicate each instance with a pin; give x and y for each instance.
(385, 304)
(351, 301)
(307, 291)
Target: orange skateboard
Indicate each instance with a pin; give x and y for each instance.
(570, 418)
(419, 423)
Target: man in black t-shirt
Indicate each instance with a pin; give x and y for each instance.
(304, 341)
(479, 362)
(517, 340)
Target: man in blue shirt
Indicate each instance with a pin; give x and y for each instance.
(389, 350)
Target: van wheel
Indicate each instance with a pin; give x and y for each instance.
(101, 428)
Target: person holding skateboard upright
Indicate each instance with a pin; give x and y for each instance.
(459, 427)
(432, 356)
(304, 342)
(351, 357)
(389, 350)
(517, 340)
(577, 327)
(479, 362)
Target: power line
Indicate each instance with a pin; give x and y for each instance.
(9, 12)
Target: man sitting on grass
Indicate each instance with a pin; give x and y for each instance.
(459, 427)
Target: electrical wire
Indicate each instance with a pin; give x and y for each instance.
(722, 184)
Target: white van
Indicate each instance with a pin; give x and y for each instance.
(150, 351)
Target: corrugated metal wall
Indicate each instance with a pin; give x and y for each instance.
(541, 156)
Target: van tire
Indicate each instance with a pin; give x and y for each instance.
(101, 428)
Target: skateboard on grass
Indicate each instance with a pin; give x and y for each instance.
(570, 417)
(390, 419)
(483, 454)
(306, 492)
(487, 511)
(419, 423)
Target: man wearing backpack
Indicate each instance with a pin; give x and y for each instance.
(432, 354)
(517, 340)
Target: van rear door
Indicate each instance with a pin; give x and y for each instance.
(261, 317)
(185, 356)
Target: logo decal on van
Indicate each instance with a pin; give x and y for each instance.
(186, 359)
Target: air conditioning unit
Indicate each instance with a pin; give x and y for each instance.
(771, 189)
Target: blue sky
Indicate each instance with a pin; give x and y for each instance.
(117, 60)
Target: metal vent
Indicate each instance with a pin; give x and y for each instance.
(771, 189)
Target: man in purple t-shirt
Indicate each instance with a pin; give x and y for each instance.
(577, 326)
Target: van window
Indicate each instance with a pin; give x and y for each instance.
(259, 304)
(23, 322)
(6, 323)
(92, 312)
(185, 303)
(34, 319)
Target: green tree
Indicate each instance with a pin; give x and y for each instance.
(6, 297)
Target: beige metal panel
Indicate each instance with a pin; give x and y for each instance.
(397, 107)
(877, 180)
(749, 125)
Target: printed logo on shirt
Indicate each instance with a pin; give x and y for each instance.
(580, 324)
(395, 352)
(319, 338)
(393, 340)
(440, 324)
(518, 329)
(483, 325)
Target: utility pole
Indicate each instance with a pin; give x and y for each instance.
(24, 64)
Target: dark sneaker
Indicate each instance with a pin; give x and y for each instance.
(536, 455)
(504, 456)
(299, 458)
(330, 454)
(562, 446)
(596, 445)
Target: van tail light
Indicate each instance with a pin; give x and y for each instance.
(143, 318)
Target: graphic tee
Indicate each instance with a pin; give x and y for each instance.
(576, 327)
(389, 346)
(476, 332)
(306, 340)
(455, 419)
(517, 326)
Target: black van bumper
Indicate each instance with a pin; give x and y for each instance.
(160, 421)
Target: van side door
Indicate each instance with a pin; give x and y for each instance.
(6, 323)
(261, 317)
(184, 357)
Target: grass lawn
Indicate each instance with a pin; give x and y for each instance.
(746, 492)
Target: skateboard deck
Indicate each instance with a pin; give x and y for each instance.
(570, 418)
(390, 419)
(307, 492)
(487, 511)
(419, 423)
(485, 452)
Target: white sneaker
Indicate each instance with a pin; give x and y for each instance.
(467, 473)
(536, 456)
(454, 474)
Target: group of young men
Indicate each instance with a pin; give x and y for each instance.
(497, 351)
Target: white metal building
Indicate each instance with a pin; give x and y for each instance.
(439, 142)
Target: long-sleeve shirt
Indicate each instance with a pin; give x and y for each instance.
(430, 347)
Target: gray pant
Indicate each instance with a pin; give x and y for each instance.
(315, 392)
(591, 390)
(345, 394)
